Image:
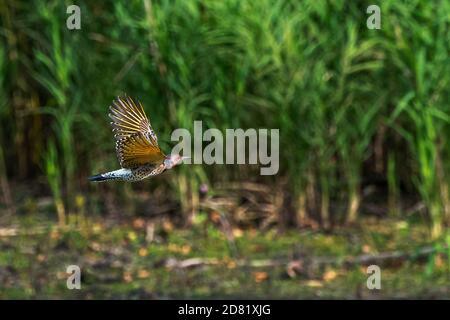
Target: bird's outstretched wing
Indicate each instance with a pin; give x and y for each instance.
(136, 142)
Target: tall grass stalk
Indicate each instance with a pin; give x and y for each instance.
(53, 173)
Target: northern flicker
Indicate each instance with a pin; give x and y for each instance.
(137, 146)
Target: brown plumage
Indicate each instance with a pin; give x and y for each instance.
(137, 146)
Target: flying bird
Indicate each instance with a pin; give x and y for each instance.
(137, 146)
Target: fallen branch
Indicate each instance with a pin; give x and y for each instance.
(299, 265)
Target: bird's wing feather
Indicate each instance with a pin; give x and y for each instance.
(136, 142)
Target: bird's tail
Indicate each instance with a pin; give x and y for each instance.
(98, 178)
(120, 174)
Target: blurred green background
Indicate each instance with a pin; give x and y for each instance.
(364, 119)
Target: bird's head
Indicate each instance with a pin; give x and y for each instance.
(173, 160)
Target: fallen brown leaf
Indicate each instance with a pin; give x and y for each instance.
(143, 252)
(138, 223)
(127, 277)
(329, 275)
(143, 274)
(260, 276)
